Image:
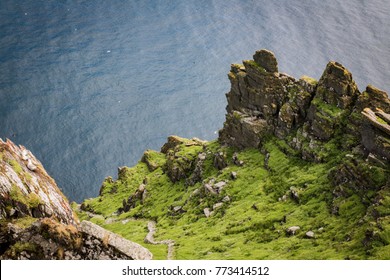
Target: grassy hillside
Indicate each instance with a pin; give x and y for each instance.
(265, 194)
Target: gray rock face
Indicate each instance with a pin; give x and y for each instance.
(127, 247)
(182, 166)
(267, 60)
(217, 205)
(26, 189)
(47, 239)
(292, 230)
(138, 197)
(219, 186)
(376, 132)
(263, 103)
(220, 160)
(310, 234)
(207, 212)
(197, 174)
(336, 86)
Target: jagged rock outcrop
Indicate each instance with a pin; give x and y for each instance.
(263, 102)
(48, 239)
(126, 247)
(37, 221)
(26, 189)
(138, 197)
(178, 165)
(376, 132)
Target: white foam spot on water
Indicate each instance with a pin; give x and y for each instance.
(108, 51)
(215, 132)
(25, 14)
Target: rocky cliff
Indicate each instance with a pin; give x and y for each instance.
(26, 188)
(37, 221)
(300, 171)
(311, 113)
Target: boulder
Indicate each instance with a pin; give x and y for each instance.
(267, 60)
(127, 247)
(220, 160)
(207, 212)
(209, 189)
(310, 234)
(292, 230)
(218, 205)
(219, 186)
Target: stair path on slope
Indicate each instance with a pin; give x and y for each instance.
(150, 239)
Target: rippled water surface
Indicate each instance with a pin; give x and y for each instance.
(89, 85)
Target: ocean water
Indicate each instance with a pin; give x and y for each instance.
(89, 85)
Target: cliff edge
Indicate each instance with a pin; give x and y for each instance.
(37, 221)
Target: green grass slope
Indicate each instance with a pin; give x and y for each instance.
(274, 189)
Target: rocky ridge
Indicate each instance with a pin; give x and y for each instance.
(26, 188)
(263, 101)
(37, 221)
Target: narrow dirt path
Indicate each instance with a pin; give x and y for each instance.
(150, 239)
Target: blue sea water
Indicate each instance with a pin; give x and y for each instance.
(89, 85)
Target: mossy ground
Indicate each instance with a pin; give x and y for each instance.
(253, 224)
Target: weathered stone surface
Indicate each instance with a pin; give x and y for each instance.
(236, 160)
(375, 133)
(220, 160)
(243, 131)
(263, 103)
(138, 197)
(127, 247)
(47, 239)
(266, 59)
(197, 174)
(310, 234)
(207, 212)
(27, 189)
(147, 158)
(378, 119)
(172, 142)
(209, 189)
(218, 205)
(337, 87)
(292, 230)
(178, 165)
(219, 186)
(373, 98)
